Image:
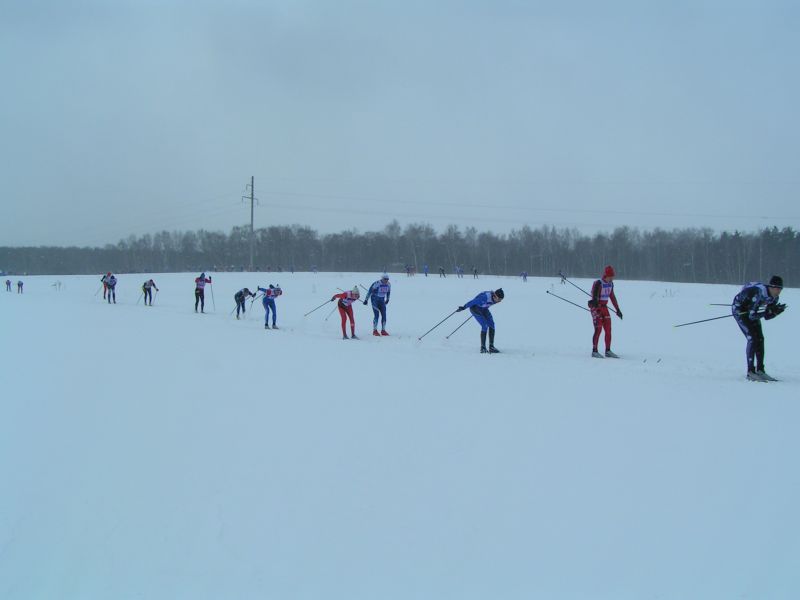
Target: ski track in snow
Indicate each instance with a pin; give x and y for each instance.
(158, 453)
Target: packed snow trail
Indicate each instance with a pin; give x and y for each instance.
(151, 452)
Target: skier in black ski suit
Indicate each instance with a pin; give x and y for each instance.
(241, 297)
(754, 301)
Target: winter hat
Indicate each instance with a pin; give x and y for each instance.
(776, 281)
(202, 275)
(609, 271)
(500, 293)
(355, 289)
(385, 276)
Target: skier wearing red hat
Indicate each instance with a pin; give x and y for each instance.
(602, 292)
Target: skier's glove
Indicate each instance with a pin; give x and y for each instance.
(619, 314)
(334, 298)
(460, 308)
(592, 303)
(779, 308)
(365, 302)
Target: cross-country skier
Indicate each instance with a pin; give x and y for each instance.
(19, 286)
(425, 270)
(479, 307)
(111, 285)
(441, 272)
(200, 291)
(524, 276)
(602, 292)
(104, 280)
(8, 285)
(756, 300)
(147, 291)
(241, 297)
(270, 293)
(378, 294)
(345, 303)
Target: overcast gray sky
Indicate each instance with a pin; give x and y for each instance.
(123, 117)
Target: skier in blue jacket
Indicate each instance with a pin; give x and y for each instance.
(479, 307)
(270, 293)
(754, 301)
(379, 293)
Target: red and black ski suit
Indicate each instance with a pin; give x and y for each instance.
(345, 303)
(602, 292)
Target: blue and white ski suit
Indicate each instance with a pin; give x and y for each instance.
(379, 293)
(269, 303)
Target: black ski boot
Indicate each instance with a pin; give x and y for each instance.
(483, 343)
(492, 349)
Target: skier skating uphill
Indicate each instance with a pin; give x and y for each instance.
(602, 292)
(270, 293)
(479, 307)
(111, 288)
(754, 301)
(345, 305)
(241, 297)
(378, 294)
(200, 291)
(147, 291)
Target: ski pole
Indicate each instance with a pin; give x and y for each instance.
(139, 298)
(459, 327)
(98, 290)
(565, 300)
(439, 323)
(715, 318)
(330, 313)
(214, 304)
(315, 309)
(703, 321)
(231, 313)
(154, 297)
(564, 278)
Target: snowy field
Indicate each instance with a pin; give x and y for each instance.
(158, 453)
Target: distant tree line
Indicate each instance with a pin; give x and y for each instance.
(687, 255)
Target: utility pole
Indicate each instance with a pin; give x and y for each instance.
(252, 199)
(252, 235)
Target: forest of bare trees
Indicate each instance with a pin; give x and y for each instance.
(688, 255)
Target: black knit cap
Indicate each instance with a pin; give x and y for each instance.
(500, 293)
(776, 281)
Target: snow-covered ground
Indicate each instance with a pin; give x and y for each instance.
(158, 453)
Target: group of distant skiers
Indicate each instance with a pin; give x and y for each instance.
(755, 301)
(19, 286)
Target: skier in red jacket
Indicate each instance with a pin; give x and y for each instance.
(345, 304)
(602, 292)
